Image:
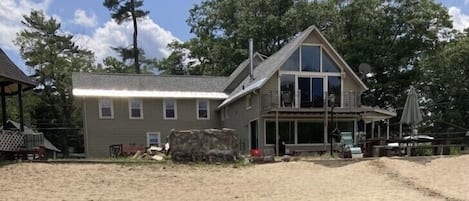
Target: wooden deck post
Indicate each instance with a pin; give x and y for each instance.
(20, 103)
(4, 107)
(276, 133)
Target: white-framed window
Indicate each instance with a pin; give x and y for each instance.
(227, 112)
(203, 109)
(248, 101)
(106, 108)
(223, 114)
(170, 109)
(153, 138)
(135, 109)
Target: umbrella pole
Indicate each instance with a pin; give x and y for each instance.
(400, 130)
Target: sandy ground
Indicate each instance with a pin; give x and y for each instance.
(381, 179)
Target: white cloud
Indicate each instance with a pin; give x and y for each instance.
(460, 20)
(152, 38)
(84, 19)
(11, 16)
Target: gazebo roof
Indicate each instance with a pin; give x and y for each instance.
(11, 75)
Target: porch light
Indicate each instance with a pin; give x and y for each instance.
(332, 104)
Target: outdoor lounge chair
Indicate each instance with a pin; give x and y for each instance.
(347, 148)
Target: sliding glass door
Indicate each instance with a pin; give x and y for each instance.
(311, 92)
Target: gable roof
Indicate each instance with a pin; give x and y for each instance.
(144, 85)
(272, 64)
(10, 74)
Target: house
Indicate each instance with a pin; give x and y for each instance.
(283, 100)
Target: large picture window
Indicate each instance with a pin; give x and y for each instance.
(170, 109)
(310, 58)
(310, 132)
(286, 132)
(106, 109)
(135, 109)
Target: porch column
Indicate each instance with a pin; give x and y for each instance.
(20, 102)
(372, 129)
(379, 130)
(276, 133)
(387, 129)
(4, 107)
(326, 122)
(400, 130)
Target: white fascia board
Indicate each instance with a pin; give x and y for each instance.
(147, 94)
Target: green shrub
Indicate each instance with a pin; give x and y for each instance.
(455, 151)
(423, 151)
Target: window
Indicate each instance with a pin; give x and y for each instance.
(293, 62)
(286, 132)
(334, 87)
(310, 132)
(328, 65)
(313, 59)
(106, 110)
(227, 112)
(248, 101)
(223, 114)
(310, 59)
(153, 138)
(170, 109)
(203, 109)
(135, 109)
(287, 90)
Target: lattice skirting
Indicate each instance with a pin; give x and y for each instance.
(11, 140)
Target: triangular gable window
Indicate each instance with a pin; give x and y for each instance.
(308, 56)
(293, 62)
(328, 65)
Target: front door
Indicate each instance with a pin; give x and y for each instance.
(253, 131)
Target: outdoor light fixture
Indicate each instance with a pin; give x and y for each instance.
(332, 104)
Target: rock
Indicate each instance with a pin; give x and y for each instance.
(157, 157)
(286, 158)
(269, 159)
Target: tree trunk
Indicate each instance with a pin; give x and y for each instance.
(135, 49)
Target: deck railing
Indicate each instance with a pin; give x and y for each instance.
(296, 101)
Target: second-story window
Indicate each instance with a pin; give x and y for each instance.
(135, 109)
(170, 109)
(106, 110)
(203, 109)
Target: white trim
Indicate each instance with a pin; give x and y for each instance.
(197, 109)
(100, 106)
(175, 109)
(153, 133)
(148, 94)
(130, 100)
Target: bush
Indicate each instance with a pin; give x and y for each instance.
(455, 151)
(423, 151)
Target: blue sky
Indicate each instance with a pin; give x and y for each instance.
(92, 27)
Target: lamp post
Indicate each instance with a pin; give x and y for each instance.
(332, 104)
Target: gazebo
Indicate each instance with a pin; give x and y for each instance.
(12, 82)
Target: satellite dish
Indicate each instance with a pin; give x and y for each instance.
(364, 69)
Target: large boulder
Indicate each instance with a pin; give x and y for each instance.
(211, 145)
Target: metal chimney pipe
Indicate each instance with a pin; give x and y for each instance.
(251, 53)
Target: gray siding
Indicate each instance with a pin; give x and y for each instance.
(100, 133)
(239, 119)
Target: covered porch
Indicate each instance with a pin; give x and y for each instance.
(291, 132)
(13, 82)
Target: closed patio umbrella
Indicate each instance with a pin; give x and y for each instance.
(411, 114)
